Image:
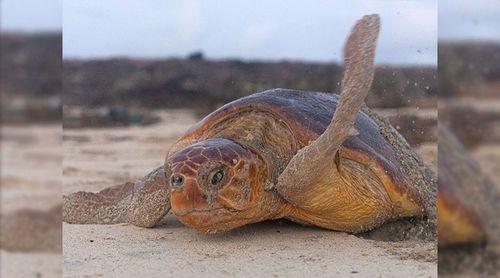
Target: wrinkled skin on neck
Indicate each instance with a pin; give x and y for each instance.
(217, 185)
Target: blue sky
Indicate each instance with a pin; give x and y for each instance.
(469, 19)
(289, 29)
(292, 29)
(31, 15)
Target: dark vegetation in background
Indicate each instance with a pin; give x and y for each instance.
(469, 90)
(469, 103)
(463, 65)
(205, 84)
(31, 77)
(121, 91)
(31, 64)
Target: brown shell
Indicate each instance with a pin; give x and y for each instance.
(307, 114)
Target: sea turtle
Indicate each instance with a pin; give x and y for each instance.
(315, 158)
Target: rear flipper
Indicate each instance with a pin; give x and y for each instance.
(142, 203)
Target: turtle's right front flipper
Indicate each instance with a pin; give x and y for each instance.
(321, 155)
(327, 189)
(142, 203)
(336, 181)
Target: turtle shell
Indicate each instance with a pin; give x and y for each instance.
(306, 115)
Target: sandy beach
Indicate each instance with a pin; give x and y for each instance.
(97, 158)
(31, 161)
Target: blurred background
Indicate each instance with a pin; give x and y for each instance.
(469, 105)
(469, 76)
(167, 64)
(137, 74)
(31, 134)
(195, 55)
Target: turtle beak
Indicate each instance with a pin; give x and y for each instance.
(185, 195)
(191, 207)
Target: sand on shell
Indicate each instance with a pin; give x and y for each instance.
(97, 158)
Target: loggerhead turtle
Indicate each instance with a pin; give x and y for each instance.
(311, 157)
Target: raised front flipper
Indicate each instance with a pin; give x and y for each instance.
(142, 203)
(341, 188)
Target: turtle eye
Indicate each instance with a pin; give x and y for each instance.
(217, 177)
(176, 180)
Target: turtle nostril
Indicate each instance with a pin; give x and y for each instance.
(176, 180)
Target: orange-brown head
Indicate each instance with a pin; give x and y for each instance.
(217, 185)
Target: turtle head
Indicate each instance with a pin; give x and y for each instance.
(216, 185)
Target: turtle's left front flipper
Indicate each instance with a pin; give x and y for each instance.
(142, 203)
